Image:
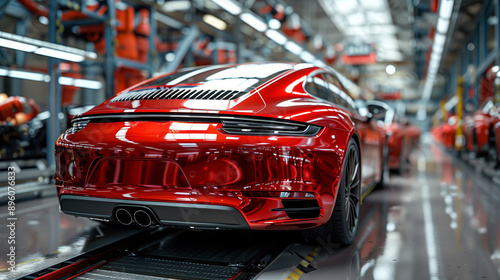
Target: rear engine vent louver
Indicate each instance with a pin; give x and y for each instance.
(179, 93)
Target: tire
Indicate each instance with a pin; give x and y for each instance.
(343, 224)
(384, 177)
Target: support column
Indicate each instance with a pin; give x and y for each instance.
(109, 55)
(53, 124)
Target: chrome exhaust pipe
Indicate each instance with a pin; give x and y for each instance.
(142, 218)
(123, 216)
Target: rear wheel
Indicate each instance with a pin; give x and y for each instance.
(343, 224)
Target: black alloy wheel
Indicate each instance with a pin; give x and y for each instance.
(343, 224)
(352, 190)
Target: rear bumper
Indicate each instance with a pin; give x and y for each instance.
(264, 178)
(168, 214)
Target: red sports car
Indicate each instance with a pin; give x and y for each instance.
(397, 138)
(479, 130)
(250, 146)
(445, 132)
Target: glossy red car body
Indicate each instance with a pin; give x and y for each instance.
(407, 135)
(479, 126)
(183, 159)
(402, 137)
(445, 132)
(412, 134)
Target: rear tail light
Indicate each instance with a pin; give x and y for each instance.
(265, 128)
(79, 125)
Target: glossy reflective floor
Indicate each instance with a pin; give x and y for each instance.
(438, 220)
(43, 236)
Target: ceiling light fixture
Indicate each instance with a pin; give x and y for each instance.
(214, 21)
(26, 44)
(274, 24)
(442, 25)
(446, 8)
(293, 48)
(445, 12)
(176, 6)
(60, 54)
(254, 22)
(228, 5)
(28, 75)
(42, 77)
(17, 45)
(276, 36)
(81, 83)
(307, 57)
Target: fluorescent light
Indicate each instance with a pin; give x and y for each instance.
(215, 22)
(343, 6)
(293, 48)
(43, 44)
(65, 81)
(319, 63)
(356, 18)
(81, 83)
(28, 75)
(439, 39)
(87, 84)
(442, 25)
(373, 4)
(60, 54)
(307, 56)
(274, 23)
(228, 5)
(254, 22)
(446, 8)
(276, 36)
(437, 48)
(173, 6)
(4, 72)
(17, 45)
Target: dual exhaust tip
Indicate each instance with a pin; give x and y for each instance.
(142, 217)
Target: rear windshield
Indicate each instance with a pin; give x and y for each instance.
(240, 77)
